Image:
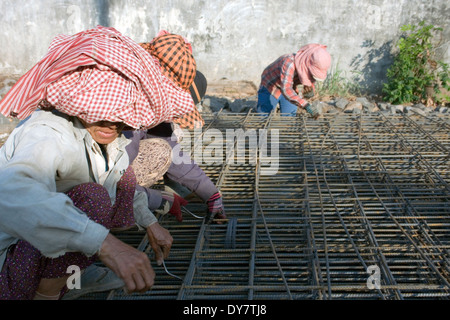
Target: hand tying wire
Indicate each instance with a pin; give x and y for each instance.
(160, 241)
(215, 210)
(312, 110)
(172, 204)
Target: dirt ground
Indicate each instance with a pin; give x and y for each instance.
(230, 89)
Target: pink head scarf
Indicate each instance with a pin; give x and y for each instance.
(99, 74)
(312, 62)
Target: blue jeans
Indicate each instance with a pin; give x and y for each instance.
(267, 103)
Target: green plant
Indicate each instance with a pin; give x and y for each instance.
(416, 75)
(337, 85)
(444, 78)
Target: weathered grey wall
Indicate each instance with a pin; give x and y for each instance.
(234, 39)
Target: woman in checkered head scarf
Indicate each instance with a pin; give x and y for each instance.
(183, 176)
(66, 179)
(174, 54)
(100, 75)
(280, 79)
(175, 57)
(177, 62)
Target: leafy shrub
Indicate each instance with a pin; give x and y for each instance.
(415, 68)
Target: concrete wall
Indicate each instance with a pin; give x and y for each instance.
(232, 39)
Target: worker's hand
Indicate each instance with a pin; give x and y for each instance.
(160, 240)
(216, 209)
(308, 92)
(128, 263)
(312, 110)
(172, 203)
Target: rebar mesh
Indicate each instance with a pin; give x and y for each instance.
(355, 198)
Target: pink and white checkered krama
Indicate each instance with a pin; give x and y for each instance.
(99, 75)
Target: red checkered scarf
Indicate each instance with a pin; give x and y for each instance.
(98, 75)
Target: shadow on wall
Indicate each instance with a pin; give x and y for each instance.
(103, 10)
(372, 66)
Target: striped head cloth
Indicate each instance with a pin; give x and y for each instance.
(99, 75)
(175, 57)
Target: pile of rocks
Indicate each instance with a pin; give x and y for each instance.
(337, 105)
(363, 104)
(215, 104)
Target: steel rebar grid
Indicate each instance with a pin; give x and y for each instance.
(351, 192)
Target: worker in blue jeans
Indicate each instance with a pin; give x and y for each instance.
(267, 103)
(280, 80)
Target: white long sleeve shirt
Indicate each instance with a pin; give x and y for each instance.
(46, 155)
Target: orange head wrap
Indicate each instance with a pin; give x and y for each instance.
(175, 57)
